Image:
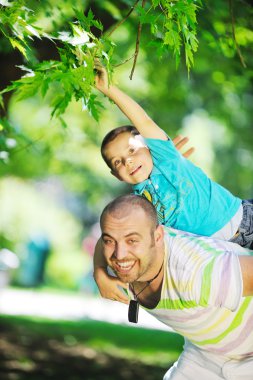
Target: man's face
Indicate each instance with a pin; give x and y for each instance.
(129, 245)
(129, 158)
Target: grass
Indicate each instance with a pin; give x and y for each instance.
(149, 346)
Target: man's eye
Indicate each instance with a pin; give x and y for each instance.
(132, 241)
(108, 241)
(131, 150)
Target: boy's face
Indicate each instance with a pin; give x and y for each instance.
(129, 158)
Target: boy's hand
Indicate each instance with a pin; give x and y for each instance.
(108, 286)
(101, 79)
(180, 142)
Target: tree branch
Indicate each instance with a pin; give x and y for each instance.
(233, 32)
(137, 46)
(124, 19)
(126, 60)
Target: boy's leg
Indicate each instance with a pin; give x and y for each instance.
(245, 232)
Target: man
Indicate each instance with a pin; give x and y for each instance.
(199, 286)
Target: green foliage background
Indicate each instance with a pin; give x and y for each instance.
(193, 74)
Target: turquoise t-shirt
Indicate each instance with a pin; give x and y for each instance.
(184, 197)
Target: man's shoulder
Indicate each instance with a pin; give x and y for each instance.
(173, 233)
(201, 243)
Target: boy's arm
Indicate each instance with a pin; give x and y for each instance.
(133, 111)
(107, 285)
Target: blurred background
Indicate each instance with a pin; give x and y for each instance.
(54, 184)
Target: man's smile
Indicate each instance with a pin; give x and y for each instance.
(124, 266)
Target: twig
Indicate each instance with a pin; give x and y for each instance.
(126, 60)
(163, 11)
(124, 19)
(137, 46)
(233, 32)
(27, 146)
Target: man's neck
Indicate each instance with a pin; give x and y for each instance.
(149, 291)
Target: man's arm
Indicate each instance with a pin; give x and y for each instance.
(246, 263)
(133, 111)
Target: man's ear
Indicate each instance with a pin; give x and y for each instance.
(159, 235)
(116, 175)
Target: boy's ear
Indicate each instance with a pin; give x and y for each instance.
(116, 175)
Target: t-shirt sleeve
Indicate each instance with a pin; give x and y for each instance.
(221, 281)
(208, 275)
(162, 150)
(170, 162)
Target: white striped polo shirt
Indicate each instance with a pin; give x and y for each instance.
(201, 296)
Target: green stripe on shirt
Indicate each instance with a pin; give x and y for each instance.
(176, 304)
(236, 322)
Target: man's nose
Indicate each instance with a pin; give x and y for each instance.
(120, 251)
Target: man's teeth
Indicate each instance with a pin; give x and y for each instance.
(126, 264)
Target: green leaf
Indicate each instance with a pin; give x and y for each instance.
(44, 86)
(188, 57)
(18, 45)
(47, 65)
(1, 101)
(93, 106)
(155, 3)
(191, 38)
(98, 24)
(60, 103)
(63, 122)
(145, 17)
(173, 39)
(26, 86)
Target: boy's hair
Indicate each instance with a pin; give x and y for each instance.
(113, 134)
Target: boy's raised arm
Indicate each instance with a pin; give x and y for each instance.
(133, 111)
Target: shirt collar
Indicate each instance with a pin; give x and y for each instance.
(139, 187)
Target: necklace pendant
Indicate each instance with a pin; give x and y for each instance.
(133, 311)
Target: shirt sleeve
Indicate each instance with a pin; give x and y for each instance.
(162, 150)
(208, 274)
(221, 282)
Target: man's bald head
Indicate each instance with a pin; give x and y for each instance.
(122, 206)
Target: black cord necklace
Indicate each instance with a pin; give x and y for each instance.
(133, 309)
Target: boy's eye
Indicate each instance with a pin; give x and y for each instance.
(131, 150)
(116, 163)
(132, 241)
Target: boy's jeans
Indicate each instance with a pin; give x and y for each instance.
(244, 237)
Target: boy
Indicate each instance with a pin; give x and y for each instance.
(184, 197)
